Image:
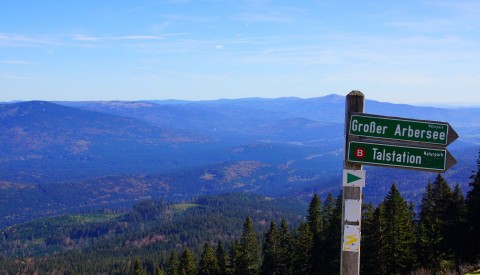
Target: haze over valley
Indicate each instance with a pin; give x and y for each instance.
(69, 157)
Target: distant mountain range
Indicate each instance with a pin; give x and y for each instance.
(63, 157)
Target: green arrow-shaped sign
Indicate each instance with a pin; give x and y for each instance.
(402, 129)
(400, 156)
(354, 178)
(351, 178)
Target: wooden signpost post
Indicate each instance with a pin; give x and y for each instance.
(383, 141)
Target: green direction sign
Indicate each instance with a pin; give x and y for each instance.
(401, 129)
(435, 160)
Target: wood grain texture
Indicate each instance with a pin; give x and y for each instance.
(350, 261)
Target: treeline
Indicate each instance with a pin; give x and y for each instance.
(441, 237)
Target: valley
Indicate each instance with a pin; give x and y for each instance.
(69, 157)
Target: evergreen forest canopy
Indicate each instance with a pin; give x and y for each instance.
(207, 237)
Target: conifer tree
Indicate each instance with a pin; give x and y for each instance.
(208, 262)
(137, 268)
(173, 267)
(332, 223)
(443, 203)
(473, 215)
(328, 210)
(187, 263)
(249, 258)
(427, 230)
(222, 259)
(159, 271)
(303, 250)
(457, 218)
(314, 216)
(285, 265)
(377, 245)
(234, 257)
(314, 219)
(271, 251)
(434, 227)
(399, 234)
(368, 264)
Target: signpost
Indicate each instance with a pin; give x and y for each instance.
(385, 141)
(401, 129)
(426, 159)
(350, 254)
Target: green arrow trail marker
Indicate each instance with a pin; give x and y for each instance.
(354, 178)
(351, 178)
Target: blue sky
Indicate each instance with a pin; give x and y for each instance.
(417, 52)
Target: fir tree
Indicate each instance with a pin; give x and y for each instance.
(159, 271)
(173, 264)
(137, 268)
(314, 219)
(285, 264)
(434, 225)
(473, 215)
(399, 233)
(368, 264)
(332, 226)
(222, 259)
(271, 251)
(427, 230)
(303, 250)
(457, 218)
(234, 257)
(187, 263)
(249, 258)
(208, 262)
(314, 216)
(377, 246)
(328, 210)
(443, 202)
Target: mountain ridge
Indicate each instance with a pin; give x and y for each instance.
(53, 155)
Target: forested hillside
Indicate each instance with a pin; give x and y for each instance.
(170, 187)
(278, 236)
(74, 157)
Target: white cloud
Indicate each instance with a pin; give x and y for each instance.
(467, 8)
(264, 18)
(84, 37)
(17, 77)
(433, 25)
(18, 40)
(177, 1)
(140, 37)
(15, 62)
(448, 17)
(178, 17)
